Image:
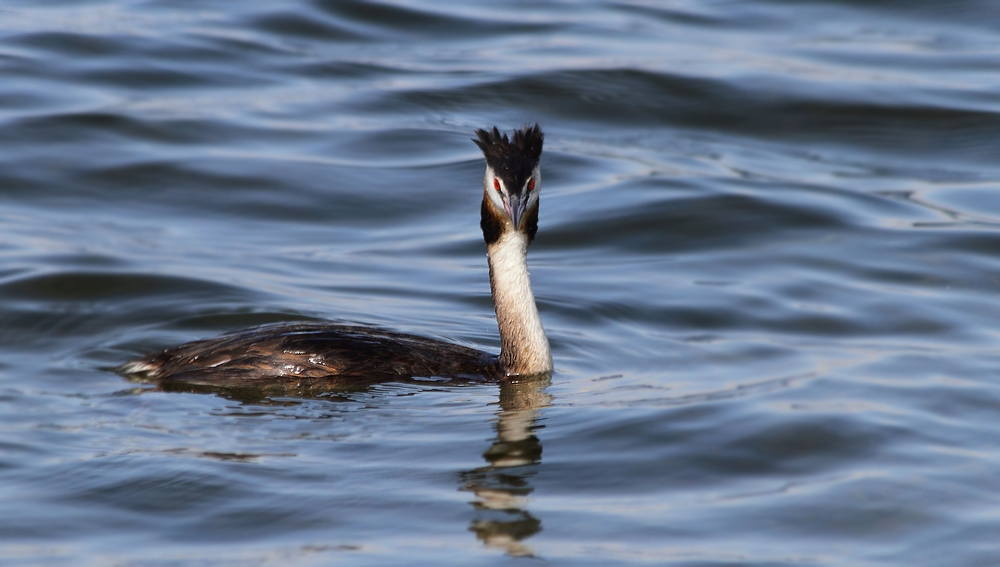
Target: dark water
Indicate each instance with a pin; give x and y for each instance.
(768, 265)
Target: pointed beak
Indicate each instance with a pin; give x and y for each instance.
(514, 205)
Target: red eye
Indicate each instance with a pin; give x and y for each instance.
(496, 184)
(531, 184)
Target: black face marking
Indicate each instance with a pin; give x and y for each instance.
(491, 225)
(531, 222)
(512, 160)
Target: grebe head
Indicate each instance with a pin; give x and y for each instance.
(512, 182)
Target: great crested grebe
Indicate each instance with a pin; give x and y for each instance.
(332, 353)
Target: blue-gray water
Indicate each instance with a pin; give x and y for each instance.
(768, 264)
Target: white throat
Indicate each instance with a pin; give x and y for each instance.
(524, 347)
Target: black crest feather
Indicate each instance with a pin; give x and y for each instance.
(512, 159)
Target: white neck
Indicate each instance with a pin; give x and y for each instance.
(524, 347)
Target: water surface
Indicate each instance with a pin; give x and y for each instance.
(767, 263)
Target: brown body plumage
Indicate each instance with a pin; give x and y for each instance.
(311, 352)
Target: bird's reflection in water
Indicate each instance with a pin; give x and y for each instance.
(502, 487)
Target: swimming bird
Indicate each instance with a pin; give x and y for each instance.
(331, 353)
